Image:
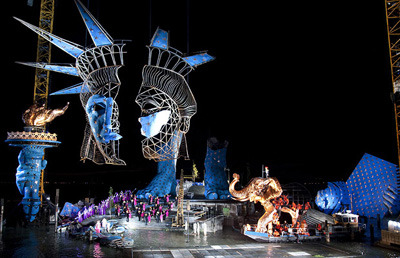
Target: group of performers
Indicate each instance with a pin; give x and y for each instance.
(285, 228)
(127, 204)
(86, 213)
(157, 208)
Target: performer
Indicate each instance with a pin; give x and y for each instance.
(303, 227)
(97, 227)
(142, 215)
(126, 213)
(85, 213)
(161, 217)
(80, 217)
(104, 223)
(90, 211)
(319, 227)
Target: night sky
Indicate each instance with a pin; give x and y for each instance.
(302, 87)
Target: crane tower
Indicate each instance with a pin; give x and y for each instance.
(43, 56)
(393, 32)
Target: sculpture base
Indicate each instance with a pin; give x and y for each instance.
(32, 142)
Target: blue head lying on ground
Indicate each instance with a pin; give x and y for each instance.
(334, 198)
(372, 189)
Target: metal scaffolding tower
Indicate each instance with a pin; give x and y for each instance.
(393, 32)
(43, 55)
(179, 220)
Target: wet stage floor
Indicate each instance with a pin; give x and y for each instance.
(39, 242)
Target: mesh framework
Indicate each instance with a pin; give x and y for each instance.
(164, 88)
(156, 94)
(98, 68)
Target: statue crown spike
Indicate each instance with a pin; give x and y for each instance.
(161, 54)
(98, 67)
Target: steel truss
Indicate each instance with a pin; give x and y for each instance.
(393, 32)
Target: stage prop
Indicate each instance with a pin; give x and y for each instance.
(98, 67)
(33, 141)
(37, 115)
(167, 105)
(371, 190)
(69, 210)
(261, 190)
(215, 178)
(334, 198)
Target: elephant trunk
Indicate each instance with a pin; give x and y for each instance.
(242, 195)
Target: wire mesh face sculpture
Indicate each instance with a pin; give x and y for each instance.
(98, 67)
(165, 99)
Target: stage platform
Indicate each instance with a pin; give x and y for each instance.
(265, 237)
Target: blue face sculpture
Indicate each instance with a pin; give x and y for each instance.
(334, 198)
(99, 111)
(161, 121)
(98, 67)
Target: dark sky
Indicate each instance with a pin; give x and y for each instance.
(300, 86)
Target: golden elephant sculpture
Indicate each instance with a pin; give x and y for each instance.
(259, 190)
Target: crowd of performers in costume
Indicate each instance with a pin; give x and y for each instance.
(146, 210)
(126, 204)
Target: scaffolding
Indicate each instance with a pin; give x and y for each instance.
(43, 53)
(393, 32)
(43, 56)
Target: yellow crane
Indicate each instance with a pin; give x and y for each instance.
(393, 32)
(43, 55)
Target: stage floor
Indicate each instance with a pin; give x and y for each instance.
(38, 242)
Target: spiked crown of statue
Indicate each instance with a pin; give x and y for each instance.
(105, 53)
(161, 54)
(166, 69)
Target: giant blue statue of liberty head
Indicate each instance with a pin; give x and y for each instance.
(165, 99)
(167, 105)
(98, 67)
